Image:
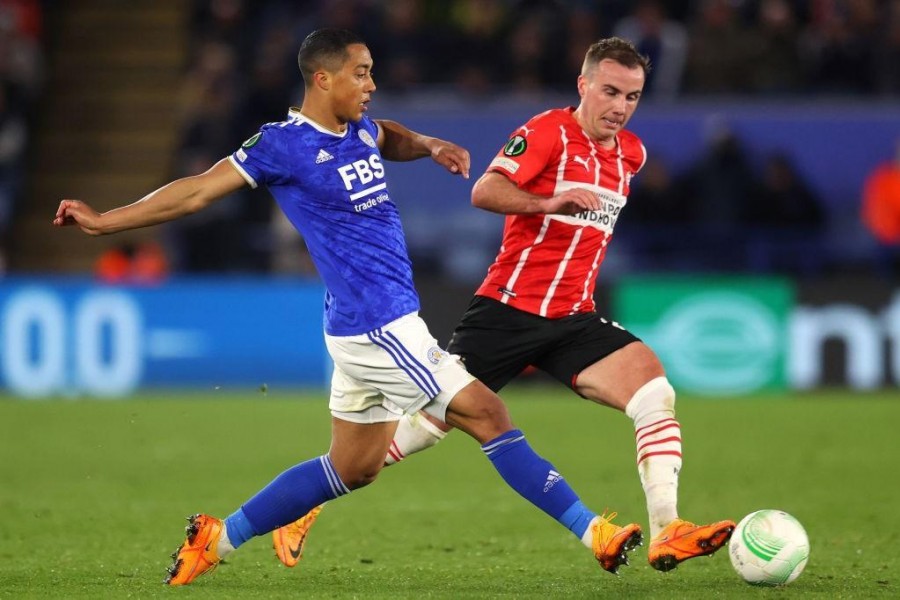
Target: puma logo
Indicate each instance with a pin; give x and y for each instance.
(582, 161)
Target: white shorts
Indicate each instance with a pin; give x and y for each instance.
(395, 369)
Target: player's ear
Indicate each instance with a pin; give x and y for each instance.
(322, 80)
(582, 86)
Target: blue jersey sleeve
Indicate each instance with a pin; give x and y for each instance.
(261, 159)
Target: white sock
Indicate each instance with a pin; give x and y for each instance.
(587, 538)
(658, 440)
(414, 434)
(224, 547)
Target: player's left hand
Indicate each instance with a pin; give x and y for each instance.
(452, 157)
(76, 212)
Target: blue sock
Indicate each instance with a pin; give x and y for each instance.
(537, 481)
(287, 498)
(238, 528)
(577, 518)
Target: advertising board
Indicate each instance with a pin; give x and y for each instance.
(74, 337)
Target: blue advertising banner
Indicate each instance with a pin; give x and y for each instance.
(75, 337)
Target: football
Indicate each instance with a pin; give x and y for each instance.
(769, 547)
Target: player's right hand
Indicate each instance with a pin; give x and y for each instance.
(454, 158)
(572, 201)
(76, 212)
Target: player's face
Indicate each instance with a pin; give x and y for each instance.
(609, 96)
(352, 86)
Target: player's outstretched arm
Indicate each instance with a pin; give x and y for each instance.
(177, 199)
(398, 143)
(495, 193)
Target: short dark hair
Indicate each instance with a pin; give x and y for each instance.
(617, 49)
(325, 49)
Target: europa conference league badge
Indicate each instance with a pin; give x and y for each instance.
(515, 146)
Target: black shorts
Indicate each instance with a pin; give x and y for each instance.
(497, 342)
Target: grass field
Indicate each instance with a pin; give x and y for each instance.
(93, 496)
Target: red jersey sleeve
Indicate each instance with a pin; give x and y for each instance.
(529, 150)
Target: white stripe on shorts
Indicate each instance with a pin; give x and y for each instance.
(405, 360)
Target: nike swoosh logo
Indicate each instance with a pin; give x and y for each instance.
(295, 552)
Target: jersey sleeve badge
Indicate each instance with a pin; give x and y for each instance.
(252, 140)
(366, 138)
(504, 163)
(515, 146)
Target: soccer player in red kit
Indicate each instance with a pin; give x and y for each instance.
(562, 181)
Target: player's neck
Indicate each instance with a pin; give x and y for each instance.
(324, 118)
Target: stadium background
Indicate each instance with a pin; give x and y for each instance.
(742, 258)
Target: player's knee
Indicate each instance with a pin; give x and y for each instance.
(487, 418)
(479, 412)
(493, 413)
(356, 471)
(361, 478)
(657, 395)
(642, 359)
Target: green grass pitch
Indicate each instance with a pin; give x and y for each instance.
(93, 496)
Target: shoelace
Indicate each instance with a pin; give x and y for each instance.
(609, 518)
(605, 518)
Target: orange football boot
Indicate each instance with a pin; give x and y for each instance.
(681, 540)
(612, 543)
(290, 539)
(197, 555)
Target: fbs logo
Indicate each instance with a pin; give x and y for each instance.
(515, 146)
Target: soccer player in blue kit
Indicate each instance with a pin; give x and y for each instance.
(324, 167)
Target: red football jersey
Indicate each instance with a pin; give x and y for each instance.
(548, 264)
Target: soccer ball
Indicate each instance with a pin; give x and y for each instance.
(769, 547)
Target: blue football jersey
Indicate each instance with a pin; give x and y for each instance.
(333, 189)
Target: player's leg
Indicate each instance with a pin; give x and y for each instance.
(479, 412)
(413, 371)
(415, 433)
(353, 461)
(397, 362)
(496, 343)
(632, 379)
(357, 453)
(362, 428)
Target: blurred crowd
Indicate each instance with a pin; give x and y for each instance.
(21, 78)
(487, 46)
(713, 215)
(241, 71)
